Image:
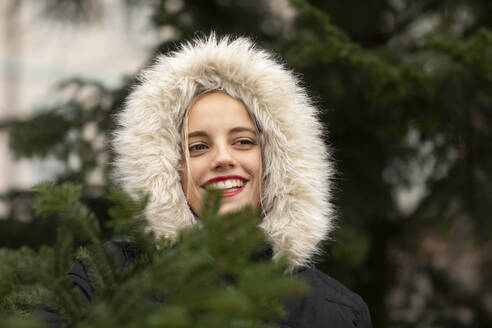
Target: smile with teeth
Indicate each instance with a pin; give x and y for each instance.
(228, 185)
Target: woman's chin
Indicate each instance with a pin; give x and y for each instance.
(229, 208)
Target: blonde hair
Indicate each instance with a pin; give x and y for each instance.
(186, 152)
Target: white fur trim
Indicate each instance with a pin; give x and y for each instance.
(297, 170)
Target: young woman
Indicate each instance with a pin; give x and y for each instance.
(221, 113)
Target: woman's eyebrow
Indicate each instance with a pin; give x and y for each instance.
(196, 134)
(200, 133)
(243, 129)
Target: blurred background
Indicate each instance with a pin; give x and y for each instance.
(405, 89)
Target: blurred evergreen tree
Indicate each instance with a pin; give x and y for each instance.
(405, 89)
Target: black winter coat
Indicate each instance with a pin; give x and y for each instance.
(328, 304)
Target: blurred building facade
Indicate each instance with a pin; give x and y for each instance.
(38, 49)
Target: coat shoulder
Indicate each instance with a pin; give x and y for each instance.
(328, 304)
(334, 291)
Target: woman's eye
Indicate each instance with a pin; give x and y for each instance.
(245, 143)
(197, 147)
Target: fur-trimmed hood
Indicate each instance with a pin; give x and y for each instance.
(296, 166)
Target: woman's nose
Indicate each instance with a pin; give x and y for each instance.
(223, 158)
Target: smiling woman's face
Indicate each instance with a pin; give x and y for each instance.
(224, 153)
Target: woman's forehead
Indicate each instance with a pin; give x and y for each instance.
(218, 109)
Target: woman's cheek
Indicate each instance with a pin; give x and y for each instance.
(197, 166)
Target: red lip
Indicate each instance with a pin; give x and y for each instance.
(235, 192)
(224, 177)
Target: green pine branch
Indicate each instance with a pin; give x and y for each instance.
(212, 275)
